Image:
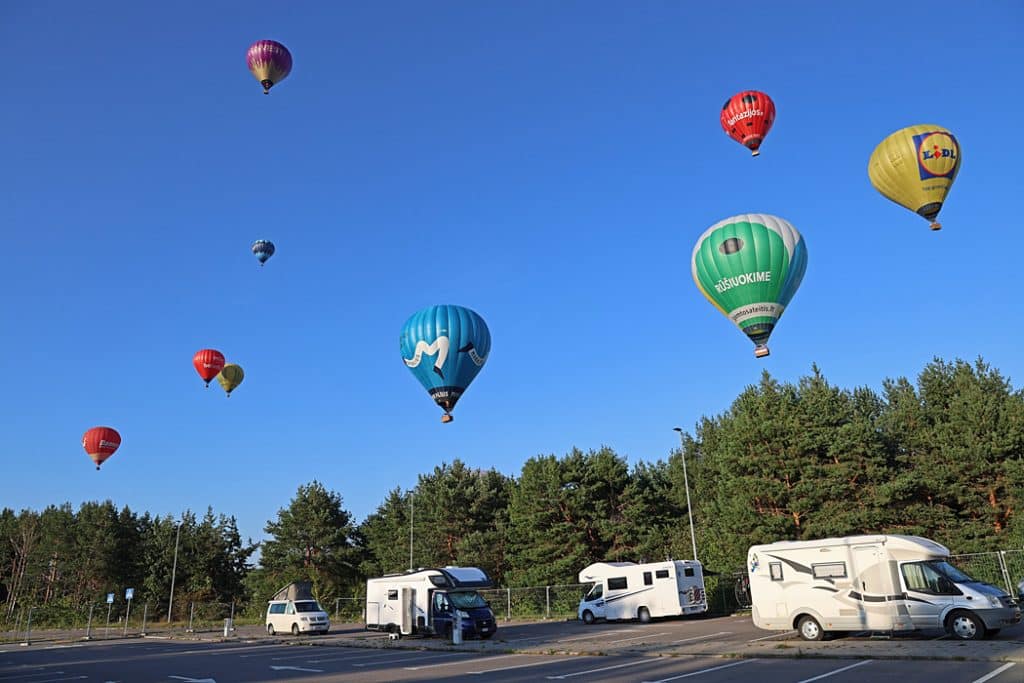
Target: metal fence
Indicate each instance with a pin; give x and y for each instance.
(1003, 568)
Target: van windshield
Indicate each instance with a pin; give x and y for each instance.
(307, 606)
(470, 600)
(951, 572)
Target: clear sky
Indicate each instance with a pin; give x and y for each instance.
(548, 164)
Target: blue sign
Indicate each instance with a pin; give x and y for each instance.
(110, 598)
(128, 593)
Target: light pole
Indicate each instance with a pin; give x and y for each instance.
(686, 485)
(412, 510)
(174, 571)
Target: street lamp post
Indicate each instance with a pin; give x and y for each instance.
(174, 571)
(686, 485)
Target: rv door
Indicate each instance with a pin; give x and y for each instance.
(408, 607)
(873, 583)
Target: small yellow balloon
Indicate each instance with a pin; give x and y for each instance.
(230, 377)
(915, 167)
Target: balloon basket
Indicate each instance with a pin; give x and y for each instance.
(446, 418)
(935, 226)
(761, 351)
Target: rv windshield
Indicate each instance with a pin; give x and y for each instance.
(467, 600)
(951, 572)
(307, 606)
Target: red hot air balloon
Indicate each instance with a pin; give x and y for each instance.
(208, 363)
(100, 443)
(747, 117)
(269, 61)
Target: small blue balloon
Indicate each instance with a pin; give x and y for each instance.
(445, 347)
(263, 249)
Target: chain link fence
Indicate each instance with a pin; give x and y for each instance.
(1003, 568)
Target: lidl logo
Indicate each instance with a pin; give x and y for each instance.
(938, 155)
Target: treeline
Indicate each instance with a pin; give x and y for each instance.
(942, 458)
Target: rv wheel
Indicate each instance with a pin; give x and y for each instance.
(643, 615)
(588, 617)
(810, 629)
(965, 626)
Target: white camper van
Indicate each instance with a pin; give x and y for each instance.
(626, 590)
(431, 601)
(294, 609)
(870, 583)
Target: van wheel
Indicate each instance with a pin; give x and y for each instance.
(588, 617)
(295, 629)
(964, 625)
(270, 629)
(809, 628)
(643, 615)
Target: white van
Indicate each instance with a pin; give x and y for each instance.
(293, 609)
(626, 590)
(871, 583)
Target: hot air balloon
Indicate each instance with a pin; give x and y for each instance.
(269, 61)
(230, 377)
(445, 347)
(100, 443)
(263, 249)
(208, 363)
(915, 167)
(749, 267)
(747, 117)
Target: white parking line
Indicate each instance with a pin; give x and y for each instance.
(988, 677)
(606, 668)
(469, 661)
(54, 680)
(777, 635)
(712, 635)
(522, 666)
(595, 634)
(704, 671)
(412, 659)
(41, 673)
(837, 671)
(646, 635)
(322, 659)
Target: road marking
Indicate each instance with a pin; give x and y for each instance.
(523, 666)
(988, 677)
(470, 661)
(296, 668)
(54, 680)
(412, 659)
(712, 635)
(41, 673)
(194, 680)
(595, 634)
(646, 635)
(837, 671)
(606, 668)
(321, 659)
(777, 635)
(703, 671)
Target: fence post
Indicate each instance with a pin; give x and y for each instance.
(88, 627)
(191, 614)
(547, 602)
(232, 616)
(336, 601)
(1006, 572)
(145, 611)
(28, 627)
(508, 604)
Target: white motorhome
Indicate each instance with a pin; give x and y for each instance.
(626, 590)
(431, 601)
(871, 583)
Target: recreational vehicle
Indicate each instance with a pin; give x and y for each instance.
(294, 609)
(626, 590)
(431, 601)
(871, 583)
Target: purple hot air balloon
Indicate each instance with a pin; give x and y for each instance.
(269, 61)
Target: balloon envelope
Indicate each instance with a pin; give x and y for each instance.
(263, 249)
(915, 167)
(208, 362)
(100, 443)
(269, 61)
(747, 117)
(230, 377)
(445, 346)
(749, 267)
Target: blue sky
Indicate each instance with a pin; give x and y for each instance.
(549, 165)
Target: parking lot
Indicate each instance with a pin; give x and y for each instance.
(708, 649)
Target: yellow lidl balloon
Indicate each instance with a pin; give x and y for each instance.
(230, 377)
(915, 167)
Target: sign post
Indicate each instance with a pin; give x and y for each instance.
(128, 594)
(110, 603)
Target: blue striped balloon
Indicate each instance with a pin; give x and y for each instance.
(445, 346)
(263, 249)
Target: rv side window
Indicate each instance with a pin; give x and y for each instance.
(829, 570)
(648, 579)
(924, 578)
(661, 574)
(392, 595)
(617, 584)
(277, 609)
(687, 571)
(775, 568)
